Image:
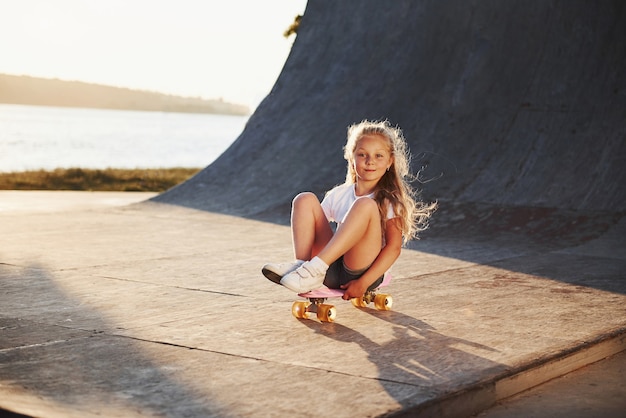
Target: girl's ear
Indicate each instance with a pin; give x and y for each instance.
(393, 160)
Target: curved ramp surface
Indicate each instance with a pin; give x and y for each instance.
(517, 104)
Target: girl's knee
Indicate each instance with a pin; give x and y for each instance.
(305, 198)
(365, 205)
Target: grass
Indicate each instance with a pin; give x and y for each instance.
(110, 179)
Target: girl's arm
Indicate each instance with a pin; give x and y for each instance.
(387, 256)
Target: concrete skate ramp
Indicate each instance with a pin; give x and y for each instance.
(516, 105)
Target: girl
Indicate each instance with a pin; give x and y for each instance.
(375, 211)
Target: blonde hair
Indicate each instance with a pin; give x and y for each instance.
(393, 187)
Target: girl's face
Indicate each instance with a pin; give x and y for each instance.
(372, 157)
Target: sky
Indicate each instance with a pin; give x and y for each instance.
(229, 49)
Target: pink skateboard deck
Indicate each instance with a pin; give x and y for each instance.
(326, 293)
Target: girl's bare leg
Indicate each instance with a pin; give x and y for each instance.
(358, 239)
(310, 233)
(309, 227)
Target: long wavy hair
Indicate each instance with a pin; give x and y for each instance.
(393, 188)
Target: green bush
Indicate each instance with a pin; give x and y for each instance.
(110, 179)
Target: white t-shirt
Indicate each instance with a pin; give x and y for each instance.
(339, 200)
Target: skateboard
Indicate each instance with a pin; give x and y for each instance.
(327, 313)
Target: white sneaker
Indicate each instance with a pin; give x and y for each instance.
(276, 271)
(304, 279)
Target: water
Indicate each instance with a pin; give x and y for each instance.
(40, 137)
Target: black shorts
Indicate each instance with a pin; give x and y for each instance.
(338, 274)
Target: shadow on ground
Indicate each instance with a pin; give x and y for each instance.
(65, 353)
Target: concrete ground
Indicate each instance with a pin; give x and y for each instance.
(157, 310)
(597, 390)
(19, 202)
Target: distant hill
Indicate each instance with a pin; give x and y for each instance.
(53, 92)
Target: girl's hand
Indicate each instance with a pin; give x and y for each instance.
(354, 289)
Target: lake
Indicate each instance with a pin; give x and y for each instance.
(40, 137)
